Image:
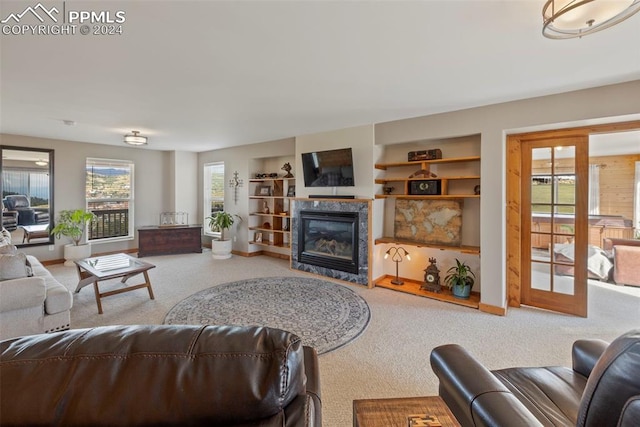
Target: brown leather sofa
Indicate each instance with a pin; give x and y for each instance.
(626, 260)
(601, 389)
(160, 375)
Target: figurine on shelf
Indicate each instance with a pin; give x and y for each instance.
(265, 207)
(287, 168)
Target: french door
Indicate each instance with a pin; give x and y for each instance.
(554, 189)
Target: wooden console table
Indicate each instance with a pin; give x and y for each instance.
(395, 412)
(153, 240)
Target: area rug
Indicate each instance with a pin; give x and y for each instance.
(323, 314)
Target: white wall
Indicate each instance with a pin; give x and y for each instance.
(69, 184)
(184, 197)
(360, 139)
(598, 105)
(243, 160)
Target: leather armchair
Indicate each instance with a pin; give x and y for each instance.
(601, 388)
(175, 375)
(20, 204)
(626, 260)
(9, 220)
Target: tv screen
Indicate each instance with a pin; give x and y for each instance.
(329, 168)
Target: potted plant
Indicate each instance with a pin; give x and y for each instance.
(219, 222)
(460, 280)
(72, 223)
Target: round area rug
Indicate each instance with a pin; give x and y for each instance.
(323, 314)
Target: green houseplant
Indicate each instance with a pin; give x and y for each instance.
(221, 221)
(460, 279)
(72, 223)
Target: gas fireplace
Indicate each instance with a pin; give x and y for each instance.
(329, 239)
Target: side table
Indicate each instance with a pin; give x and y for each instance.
(395, 412)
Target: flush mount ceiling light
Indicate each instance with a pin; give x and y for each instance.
(41, 162)
(135, 139)
(566, 19)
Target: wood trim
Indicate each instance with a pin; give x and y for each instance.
(514, 196)
(492, 309)
(580, 130)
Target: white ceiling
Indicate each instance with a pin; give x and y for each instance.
(201, 75)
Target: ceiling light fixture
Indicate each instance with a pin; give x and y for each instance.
(566, 19)
(135, 139)
(41, 162)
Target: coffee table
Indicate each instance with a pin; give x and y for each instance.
(34, 232)
(395, 412)
(95, 269)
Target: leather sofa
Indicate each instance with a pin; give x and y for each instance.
(625, 254)
(161, 375)
(601, 389)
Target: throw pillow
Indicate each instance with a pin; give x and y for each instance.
(8, 250)
(13, 266)
(5, 237)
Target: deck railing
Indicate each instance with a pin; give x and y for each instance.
(109, 223)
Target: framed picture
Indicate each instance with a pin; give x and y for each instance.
(291, 192)
(263, 190)
(257, 237)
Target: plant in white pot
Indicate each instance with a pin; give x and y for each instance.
(219, 222)
(72, 223)
(460, 280)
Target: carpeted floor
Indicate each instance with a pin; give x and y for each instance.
(325, 315)
(391, 357)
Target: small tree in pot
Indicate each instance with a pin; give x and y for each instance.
(72, 223)
(460, 279)
(221, 221)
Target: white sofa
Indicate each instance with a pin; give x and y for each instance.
(35, 304)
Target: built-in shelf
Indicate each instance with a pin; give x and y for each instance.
(413, 287)
(462, 249)
(423, 163)
(416, 196)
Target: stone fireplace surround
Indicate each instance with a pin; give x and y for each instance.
(362, 207)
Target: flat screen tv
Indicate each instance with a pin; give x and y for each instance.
(328, 168)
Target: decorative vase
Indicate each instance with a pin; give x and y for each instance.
(221, 249)
(462, 291)
(74, 253)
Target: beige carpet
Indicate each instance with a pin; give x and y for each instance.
(391, 358)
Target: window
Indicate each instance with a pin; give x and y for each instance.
(109, 195)
(213, 192)
(558, 188)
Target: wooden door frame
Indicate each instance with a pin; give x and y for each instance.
(514, 194)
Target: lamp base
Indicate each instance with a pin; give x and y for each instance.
(397, 282)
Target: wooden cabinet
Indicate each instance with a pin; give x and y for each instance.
(154, 240)
(270, 210)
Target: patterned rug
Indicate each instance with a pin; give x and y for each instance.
(323, 314)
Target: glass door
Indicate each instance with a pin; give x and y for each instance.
(554, 220)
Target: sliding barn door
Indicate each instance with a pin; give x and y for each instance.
(554, 185)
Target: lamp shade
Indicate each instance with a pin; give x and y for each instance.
(135, 139)
(565, 19)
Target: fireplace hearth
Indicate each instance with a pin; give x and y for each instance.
(329, 239)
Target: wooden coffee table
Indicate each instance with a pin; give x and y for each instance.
(93, 270)
(395, 412)
(39, 231)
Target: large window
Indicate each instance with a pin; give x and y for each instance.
(109, 194)
(213, 192)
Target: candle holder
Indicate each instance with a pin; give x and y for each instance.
(397, 253)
